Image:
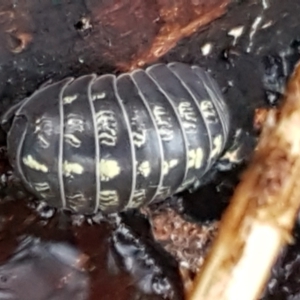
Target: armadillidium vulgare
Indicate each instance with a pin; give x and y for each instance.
(118, 142)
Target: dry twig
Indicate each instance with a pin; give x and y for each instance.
(262, 212)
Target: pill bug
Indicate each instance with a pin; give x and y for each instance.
(118, 142)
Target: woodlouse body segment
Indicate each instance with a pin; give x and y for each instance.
(118, 142)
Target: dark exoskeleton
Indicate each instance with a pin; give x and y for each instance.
(118, 142)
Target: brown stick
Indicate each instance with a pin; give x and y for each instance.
(262, 211)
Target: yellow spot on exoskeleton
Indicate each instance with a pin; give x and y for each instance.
(70, 168)
(109, 169)
(163, 191)
(144, 168)
(139, 138)
(98, 96)
(138, 198)
(72, 140)
(163, 122)
(217, 146)
(107, 127)
(187, 112)
(41, 186)
(208, 110)
(195, 158)
(108, 198)
(69, 99)
(32, 163)
(76, 201)
(168, 165)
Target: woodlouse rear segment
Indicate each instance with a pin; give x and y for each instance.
(115, 143)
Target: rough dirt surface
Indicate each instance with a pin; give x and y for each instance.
(250, 51)
(187, 241)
